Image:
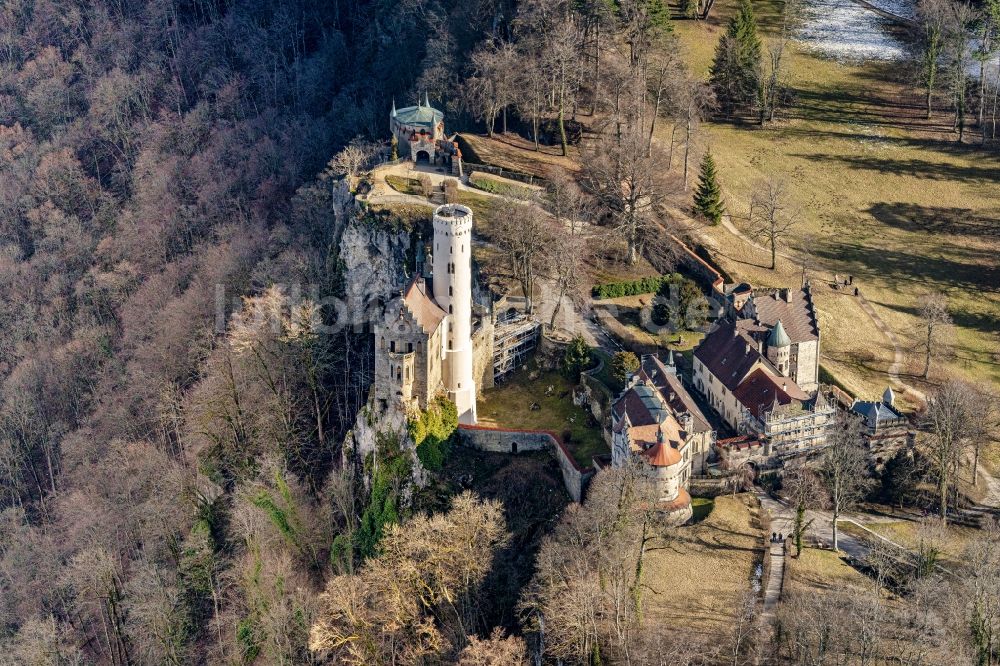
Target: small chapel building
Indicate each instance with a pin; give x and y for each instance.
(418, 132)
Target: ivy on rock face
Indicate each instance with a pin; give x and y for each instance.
(432, 432)
(388, 467)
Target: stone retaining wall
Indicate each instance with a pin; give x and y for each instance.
(575, 478)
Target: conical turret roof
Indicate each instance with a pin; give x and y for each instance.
(778, 337)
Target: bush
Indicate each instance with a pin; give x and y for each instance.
(646, 285)
(426, 186)
(450, 190)
(680, 305)
(577, 357)
(623, 364)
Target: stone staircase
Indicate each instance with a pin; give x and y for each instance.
(437, 195)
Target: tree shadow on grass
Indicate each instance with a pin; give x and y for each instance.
(986, 322)
(912, 167)
(938, 219)
(977, 269)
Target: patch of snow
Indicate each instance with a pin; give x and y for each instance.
(848, 32)
(903, 8)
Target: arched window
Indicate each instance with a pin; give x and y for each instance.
(450, 290)
(450, 310)
(392, 346)
(382, 347)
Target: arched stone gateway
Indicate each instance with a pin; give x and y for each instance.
(419, 135)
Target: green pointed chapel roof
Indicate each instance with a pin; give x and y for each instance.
(778, 337)
(420, 115)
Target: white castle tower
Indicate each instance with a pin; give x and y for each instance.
(452, 285)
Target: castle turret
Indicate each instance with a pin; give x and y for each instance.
(889, 397)
(452, 284)
(779, 348)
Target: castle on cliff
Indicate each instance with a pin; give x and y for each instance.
(429, 341)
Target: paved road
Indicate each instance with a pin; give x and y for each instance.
(820, 526)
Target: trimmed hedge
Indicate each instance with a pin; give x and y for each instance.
(646, 285)
(484, 182)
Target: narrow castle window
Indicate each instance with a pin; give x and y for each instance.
(392, 346)
(449, 290)
(450, 310)
(409, 346)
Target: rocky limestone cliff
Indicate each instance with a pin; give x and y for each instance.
(373, 255)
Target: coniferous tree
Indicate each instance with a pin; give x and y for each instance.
(708, 196)
(736, 70)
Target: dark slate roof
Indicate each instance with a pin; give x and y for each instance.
(875, 412)
(797, 314)
(762, 390)
(729, 354)
(641, 405)
(672, 391)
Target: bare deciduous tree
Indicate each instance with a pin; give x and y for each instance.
(353, 160)
(620, 175)
(772, 214)
(522, 232)
(952, 421)
(936, 324)
(844, 468)
(417, 599)
(803, 490)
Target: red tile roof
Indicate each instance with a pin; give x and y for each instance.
(729, 354)
(661, 454)
(760, 390)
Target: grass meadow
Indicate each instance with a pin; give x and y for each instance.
(882, 194)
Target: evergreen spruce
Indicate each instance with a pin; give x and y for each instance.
(708, 196)
(737, 68)
(658, 16)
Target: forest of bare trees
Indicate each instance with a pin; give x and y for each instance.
(164, 490)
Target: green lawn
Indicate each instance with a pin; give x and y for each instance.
(509, 406)
(883, 194)
(405, 185)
